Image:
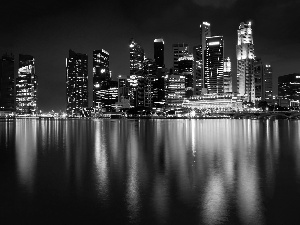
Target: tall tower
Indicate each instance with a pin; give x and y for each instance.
(101, 76)
(7, 83)
(159, 52)
(26, 86)
(227, 76)
(179, 50)
(214, 65)
(204, 33)
(136, 58)
(77, 83)
(268, 83)
(245, 61)
(185, 68)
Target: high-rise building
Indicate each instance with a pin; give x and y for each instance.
(101, 76)
(7, 84)
(136, 58)
(159, 52)
(289, 86)
(214, 65)
(179, 50)
(77, 83)
(26, 86)
(198, 70)
(185, 68)
(227, 76)
(245, 62)
(204, 33)
(175, 91)
(268, 83)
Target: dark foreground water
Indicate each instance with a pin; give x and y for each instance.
(149, 172)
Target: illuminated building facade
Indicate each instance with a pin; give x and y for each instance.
(159, 51)
(289, 86)
(179, 50)
(227, 76)
(214, 65)
(136, 58)
(198, 70)
(26, 86)
(110, 96)
(146, 84)
(204, 33)
(7, 84)
(175, 91)
(185, 68)
(245, 62)
(77, 83)
(268, 83)
(101, 76)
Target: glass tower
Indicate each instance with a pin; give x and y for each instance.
(101, 76)
(26, 86)
(7, 84)
(245, 62)
(77, 83)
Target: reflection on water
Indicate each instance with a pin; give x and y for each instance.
(153, 171)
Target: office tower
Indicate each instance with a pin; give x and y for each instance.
(179, 50)
(175, 91)
(77, 83)
(136, 58)
(110, 96)
(204, 33)
(214, 65)
(159, 52)
(185, 68)
(26, 86)
(268, 84)
(7, 84)
(198, 69)
(123, 87)
(245, 61)
(289, 86)
(227, 76)
(258, 71)
(101, 76)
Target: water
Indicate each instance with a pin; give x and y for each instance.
(149, 171)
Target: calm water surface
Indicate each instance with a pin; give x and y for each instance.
(149, 172)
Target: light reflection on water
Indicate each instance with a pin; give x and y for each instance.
(153, 171)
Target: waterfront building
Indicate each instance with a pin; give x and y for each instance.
(76, 83)
(175, 91)
(268, 84)
(179, 50)
(101, 76)
(26, 86)
(227, 76)
(185, 68)
(136, 57)
(204, 33)
(7, 84)
(198, 70)
(110, 96)
(214, 65)
(245, 62)
(289, 87)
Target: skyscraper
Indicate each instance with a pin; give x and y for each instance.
(7, 84)
(26, 86)
(268, 83)
(159, 52)
(198, 69)
(185, 68)
(245, 61)
(289, 86)
(200, 73)
(227, 76)
(101, 76)
(214, 65)
(179, 50)
(136, 58)
(77, 83)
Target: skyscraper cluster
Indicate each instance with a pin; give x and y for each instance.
(196, 71)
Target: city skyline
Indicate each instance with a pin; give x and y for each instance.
(48, 32)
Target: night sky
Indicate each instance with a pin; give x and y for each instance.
(48, 29)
